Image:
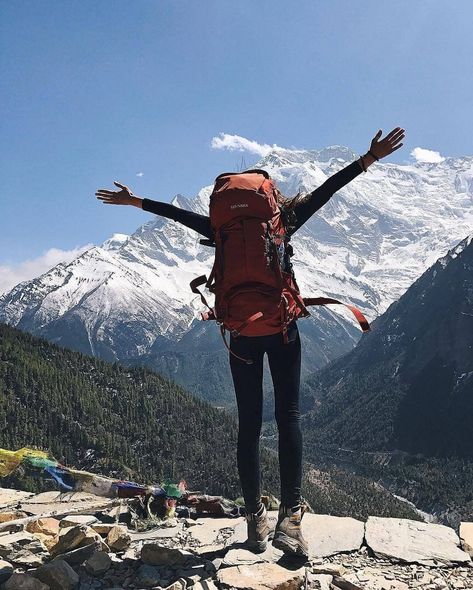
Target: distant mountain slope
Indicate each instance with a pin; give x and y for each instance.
(408, 384)
(199, 360)
(129, 299)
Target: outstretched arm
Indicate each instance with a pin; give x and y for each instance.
(124, 196)
(317, 199)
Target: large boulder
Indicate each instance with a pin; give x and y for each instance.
(44, 526)
(155, 554)
(147, 576)
(6, 570)
(23, 549)
(466, 536)
(44, 529)
(58, 575)
(118, 538)
(75, 537)
(413, 541)
(80, 554)
(24, 582)
(260, 576)
(98, 564)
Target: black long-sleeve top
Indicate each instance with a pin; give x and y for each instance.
(303, 210)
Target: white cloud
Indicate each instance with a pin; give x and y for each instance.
(236, 143)
(140, 174)
(12, 274)
(427, 156)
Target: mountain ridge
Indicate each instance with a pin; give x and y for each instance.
(427, 330)
(129, 298)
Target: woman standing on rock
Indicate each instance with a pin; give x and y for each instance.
(258, 335)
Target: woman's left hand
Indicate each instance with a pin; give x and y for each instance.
(388, 145)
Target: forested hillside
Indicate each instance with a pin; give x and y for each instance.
(135, 424)
(103, 417)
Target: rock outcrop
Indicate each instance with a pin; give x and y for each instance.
(210, 553)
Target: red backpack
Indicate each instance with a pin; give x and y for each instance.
(255, 290)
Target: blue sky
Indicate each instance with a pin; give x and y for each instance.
(99, 91)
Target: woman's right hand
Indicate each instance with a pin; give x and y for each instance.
(124, 196)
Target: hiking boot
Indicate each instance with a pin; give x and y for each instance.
(258, 530)
(288, 534)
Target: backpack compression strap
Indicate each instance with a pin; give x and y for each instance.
(355, 311)
(194, 285)
(210, 315)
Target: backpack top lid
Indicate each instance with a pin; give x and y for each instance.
(252, 171)
(242, 194)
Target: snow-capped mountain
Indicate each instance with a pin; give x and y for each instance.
(130, 296)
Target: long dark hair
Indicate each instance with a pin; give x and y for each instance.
(287, 205)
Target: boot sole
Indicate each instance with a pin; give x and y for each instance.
(257, 546)
(260, 546)
(289, 545)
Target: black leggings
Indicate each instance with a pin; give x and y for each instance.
(285, 366)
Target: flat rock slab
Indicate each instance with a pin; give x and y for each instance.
(245, 557)
(9, 515)
(322, 581)
(74, 519)
(260, 576)
(12, 497)
(207, 551)
(414, 542)
(240, 533)
(466, 536)
(207, 530)
(60, 502)
(328, 535)
(161, 533)
(204, 585)
(376, 581)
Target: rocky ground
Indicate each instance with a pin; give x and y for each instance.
(83, 542)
